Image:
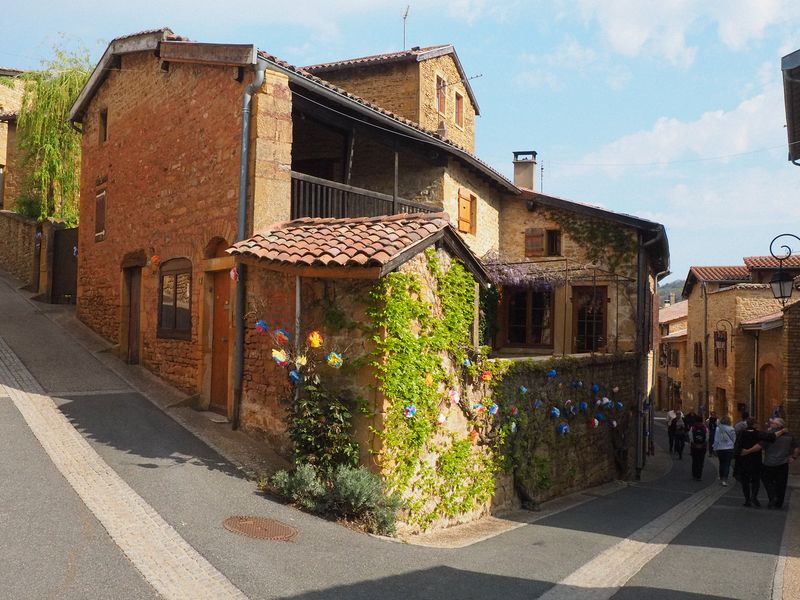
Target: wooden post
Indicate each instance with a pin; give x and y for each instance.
(396, 181)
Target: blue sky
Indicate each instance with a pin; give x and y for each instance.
(669, 110)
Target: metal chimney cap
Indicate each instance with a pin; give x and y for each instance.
(527, 155)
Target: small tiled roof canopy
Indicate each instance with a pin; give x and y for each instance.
(365, 247)
(714, 274)
(770, 262)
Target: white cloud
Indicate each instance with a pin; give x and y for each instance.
(755, 124)
(570, 56)
(634, 27)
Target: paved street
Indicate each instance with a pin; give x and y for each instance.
(104, 495)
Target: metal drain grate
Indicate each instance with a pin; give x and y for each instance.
(260, 528)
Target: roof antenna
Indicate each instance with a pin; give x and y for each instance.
(541, 178)
(405, 17)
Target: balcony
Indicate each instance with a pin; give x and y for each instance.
(316, 197)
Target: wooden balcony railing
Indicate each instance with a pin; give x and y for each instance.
(316, 197)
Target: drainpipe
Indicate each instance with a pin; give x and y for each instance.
(754, 397)
(241, 233)
(704, 397)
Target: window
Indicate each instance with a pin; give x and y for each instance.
(467, 212)
(459, 110)
(721, 349)
(103, 125)
(553, 242)
(663, 355)
(589, 304)
(175, 299)
(664, 329)
(674, 358)
(530, 317)
(698, 354)
(441, 95)
(100, 216)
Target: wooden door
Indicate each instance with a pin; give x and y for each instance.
(133, 277)
(220, 343)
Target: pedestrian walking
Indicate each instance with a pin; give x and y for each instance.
(679, 434)
(777, 457)
(698, 445)
(711, 423)
(747, 452)
(742, 425)
(724, 440)
(670, 431)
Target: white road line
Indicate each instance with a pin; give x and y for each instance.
(604, 575)
(162, 556)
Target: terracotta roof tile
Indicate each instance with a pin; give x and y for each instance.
(769, 262)
(773, 316)
(679, 310)
(730, 273)
(357, 242)
(374, 59)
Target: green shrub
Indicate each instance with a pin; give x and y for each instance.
(358, 494)
(301, 487)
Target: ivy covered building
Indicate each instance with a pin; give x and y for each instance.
(296, 230)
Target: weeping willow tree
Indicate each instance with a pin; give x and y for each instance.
(50, 149)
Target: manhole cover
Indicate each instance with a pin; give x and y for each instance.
(260, 528)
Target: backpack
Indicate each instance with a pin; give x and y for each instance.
(678, 425)
(698, 435)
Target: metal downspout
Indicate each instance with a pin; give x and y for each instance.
(754, 398)
(704, 397)
(641, 377)
(241, 233)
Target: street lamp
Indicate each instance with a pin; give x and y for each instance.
(782, 282)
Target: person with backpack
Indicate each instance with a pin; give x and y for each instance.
(698, 439)
(724, 439)
(711, 423)
(678, 427)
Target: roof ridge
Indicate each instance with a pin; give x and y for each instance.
(413, 51)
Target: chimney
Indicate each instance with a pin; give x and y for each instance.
(672, 297)
(525, 169)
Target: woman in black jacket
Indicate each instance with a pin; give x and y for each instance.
(748, 460)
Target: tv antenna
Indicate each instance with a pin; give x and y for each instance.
(405, 18)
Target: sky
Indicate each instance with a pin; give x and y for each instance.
(669, 110)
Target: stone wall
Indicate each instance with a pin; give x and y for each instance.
(18, 246)
(10, 100)
(445, 67)
(169, 169)
(791, 359)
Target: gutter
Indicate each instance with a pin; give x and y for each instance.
(241, 233)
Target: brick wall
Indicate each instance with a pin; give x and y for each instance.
(17, 245)
(170, 172)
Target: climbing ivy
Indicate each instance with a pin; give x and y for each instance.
(602, 241)
(416, 341)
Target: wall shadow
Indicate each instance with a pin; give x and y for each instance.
(133, 425)
(445, 582)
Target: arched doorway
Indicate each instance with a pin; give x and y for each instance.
(769, 389)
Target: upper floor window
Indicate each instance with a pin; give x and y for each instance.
(553, 242)
(103, 125)
(100, 216)
(698, 354)
(459, 110)
(721, 348)
(674, 358)
(175, 299)
(467, 212)
(441, 94)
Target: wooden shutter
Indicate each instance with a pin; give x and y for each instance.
(464, 212)
(534, 241)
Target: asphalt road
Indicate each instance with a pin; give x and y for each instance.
(51, 546)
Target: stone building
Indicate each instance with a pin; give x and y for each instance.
(196, 156)
(672, 330)
(10, 99)
(735, 341)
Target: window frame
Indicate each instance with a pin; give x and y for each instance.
(549, 250)
(529, 324)
(599, 343)
(441, 95)
(459, 110)
(173, 268)
(698, 354)
(102, 126)
(100, 201)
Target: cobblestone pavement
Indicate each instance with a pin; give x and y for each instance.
(167, 562)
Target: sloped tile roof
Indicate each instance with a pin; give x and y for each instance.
(679, 310)
(773, 316)
(675, 336)
(769, 262)
(374, 59)
(313, 79)
(8, 115)
(356, 242)
(728, 273)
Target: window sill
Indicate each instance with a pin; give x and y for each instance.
(100, 236)
(174, 335)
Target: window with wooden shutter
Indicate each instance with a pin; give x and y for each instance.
(534, 241)
(467, 212)
(459, 110)
(441, 95)
(100, 216)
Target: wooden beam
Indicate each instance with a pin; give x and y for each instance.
(214, 54)
(222, 263)
(396, 181)
(348, 159)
